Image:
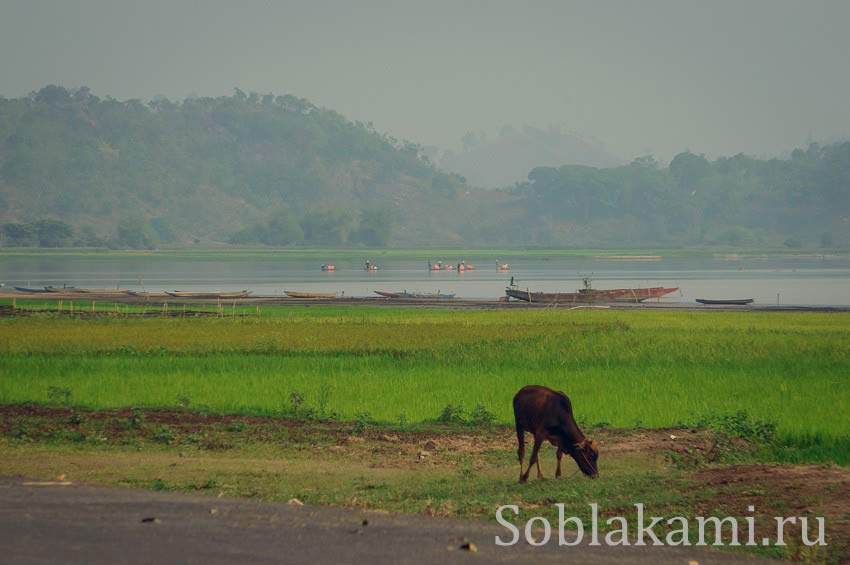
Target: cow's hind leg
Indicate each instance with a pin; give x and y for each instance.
(534, 453)
(560, 456)
(539, 472)
(520, 438)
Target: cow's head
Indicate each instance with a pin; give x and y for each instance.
(586, 453)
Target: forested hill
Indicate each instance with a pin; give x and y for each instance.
(803, 201)
(247, 168)
(83, 170)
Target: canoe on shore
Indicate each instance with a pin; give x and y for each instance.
(74, 290)
(183, 294)
(590, 295)
(294, 294)
(33, 290)
(726, 301)
(144, 294)
(419, 295)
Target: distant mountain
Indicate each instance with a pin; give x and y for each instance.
(247, 168)
(76, 169)
(508, 158)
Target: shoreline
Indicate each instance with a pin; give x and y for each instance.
(443, 304)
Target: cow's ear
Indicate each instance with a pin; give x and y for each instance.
(581, 444)
(593, 444)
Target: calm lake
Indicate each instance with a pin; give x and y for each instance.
(802, 280)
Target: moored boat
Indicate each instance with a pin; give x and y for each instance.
(419, 295)
(148, 294)
(386, 294)
(74, 290)
(32, 290)
(294, 294)
(588, 294)
(726, 301)
(183, 294)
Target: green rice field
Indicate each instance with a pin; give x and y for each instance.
(624, 369)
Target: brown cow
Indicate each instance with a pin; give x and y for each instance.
(548, 415)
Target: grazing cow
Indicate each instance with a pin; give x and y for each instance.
(548, 415)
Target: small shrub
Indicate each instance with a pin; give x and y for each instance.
(235, 427)
(164, 434)
(452, 414)
(362, 421)
(480, 416)
(136, 420)
(76, 419)
(296, 400)
(740, 424)
(159, 484)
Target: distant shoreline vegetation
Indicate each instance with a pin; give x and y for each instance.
(251, 169)
(228, 251)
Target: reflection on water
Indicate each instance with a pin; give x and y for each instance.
(788, 281)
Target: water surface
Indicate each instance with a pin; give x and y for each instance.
(805, 280)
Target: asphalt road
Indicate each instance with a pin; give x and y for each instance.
(97, 525)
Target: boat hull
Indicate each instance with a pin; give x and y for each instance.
(31, 290)
(179, 294)
(585, 296)
(73, 290)
(726, 302)
(293, 294)
(416, 295)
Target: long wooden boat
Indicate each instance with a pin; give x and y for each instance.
(148, 294)
(630, 294)
(418, 295)
(727, 301)
(590, 295)
(71, 289)
(294, 294)
(182, 294)
(33, 290)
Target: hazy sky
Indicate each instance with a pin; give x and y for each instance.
(642, 76)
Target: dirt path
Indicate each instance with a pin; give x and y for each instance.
(85, 524)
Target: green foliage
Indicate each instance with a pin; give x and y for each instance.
(41, 233)
(741, 425)
(198, 169)
(452, 414)
(480, 416)
(222, 169)
(362, 422)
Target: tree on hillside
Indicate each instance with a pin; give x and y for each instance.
(53, 233)
(19, 235)
(283, 229)
(376, 226)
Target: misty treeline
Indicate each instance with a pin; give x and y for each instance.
(77, 169)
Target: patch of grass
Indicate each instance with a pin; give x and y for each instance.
(789, 372)
(458, 479)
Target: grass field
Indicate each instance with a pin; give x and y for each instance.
(623, 369)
